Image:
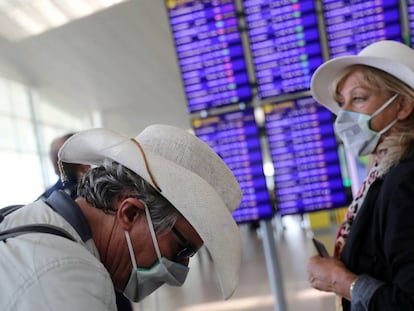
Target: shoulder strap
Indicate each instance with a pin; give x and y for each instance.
(39, 228)
(8, 210)
(36, 228)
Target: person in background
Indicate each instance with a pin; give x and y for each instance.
(73, 171)
(372, 94)
(143, 209)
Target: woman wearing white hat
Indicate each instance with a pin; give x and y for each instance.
(372, 95)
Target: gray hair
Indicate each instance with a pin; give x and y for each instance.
(400, 138)
(102, 185)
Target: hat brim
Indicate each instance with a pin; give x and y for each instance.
(190, 194)
(329, 71)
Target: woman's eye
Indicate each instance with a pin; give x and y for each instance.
(358, 99)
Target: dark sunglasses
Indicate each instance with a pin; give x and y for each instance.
(187, 251)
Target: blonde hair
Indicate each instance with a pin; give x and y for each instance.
(400, 137)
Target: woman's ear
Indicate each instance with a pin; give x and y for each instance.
(406, 108)
(129, 211)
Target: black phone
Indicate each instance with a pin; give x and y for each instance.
(320, 248)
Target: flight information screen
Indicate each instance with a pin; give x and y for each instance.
(351, 25)
(284, 43)
(305, 157)
(235, 137)
(410, 10)
(210, 53)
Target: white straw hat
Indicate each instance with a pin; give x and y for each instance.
(393, 57)
(190, 175)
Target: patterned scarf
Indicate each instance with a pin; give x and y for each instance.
(353, 209)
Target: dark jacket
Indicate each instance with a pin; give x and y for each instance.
(381, 241)
(69, 187)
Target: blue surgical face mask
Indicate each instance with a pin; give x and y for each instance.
(355, 131)
(143, 281)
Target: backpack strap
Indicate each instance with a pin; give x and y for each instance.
(34, 228)
(8, 210)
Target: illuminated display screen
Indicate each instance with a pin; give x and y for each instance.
(210, 53)
(284, 43)
(410, 10)
(235, 137)
(305, 157)
(352, 25)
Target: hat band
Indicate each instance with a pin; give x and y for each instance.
(146, 164)
(62, 172)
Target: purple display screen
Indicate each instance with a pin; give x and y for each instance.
(304, 153)
(210, 53)
(352, 25)
(410, 10)
(284, 43)
(235, 137)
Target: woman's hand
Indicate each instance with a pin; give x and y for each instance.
(330, 275)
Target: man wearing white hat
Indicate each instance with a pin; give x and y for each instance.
(144, 208)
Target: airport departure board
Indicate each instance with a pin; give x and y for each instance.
(305, 157)
(210, 53)
(351, 25)
(235, 137)
(284, 43)
(410, 10)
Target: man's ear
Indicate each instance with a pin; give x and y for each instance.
(129, 211)
(406, 108)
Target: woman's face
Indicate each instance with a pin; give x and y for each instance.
(355, 95)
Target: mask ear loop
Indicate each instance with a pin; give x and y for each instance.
(387, 127)
(152, 231)
(387, 103)
(131, 250)
(153, 237)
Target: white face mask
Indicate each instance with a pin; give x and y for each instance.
(355, 131)
(143, 281)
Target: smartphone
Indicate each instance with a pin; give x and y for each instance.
(320, 248)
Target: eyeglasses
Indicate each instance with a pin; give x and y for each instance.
(188, 250)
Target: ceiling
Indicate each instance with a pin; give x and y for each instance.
(120, 61)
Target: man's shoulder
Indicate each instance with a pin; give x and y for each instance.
(41, 266)
(46, 245)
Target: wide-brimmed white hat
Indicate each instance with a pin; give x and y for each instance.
(393, 57)
(191, 176)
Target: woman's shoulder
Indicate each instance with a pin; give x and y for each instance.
(403, 171)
